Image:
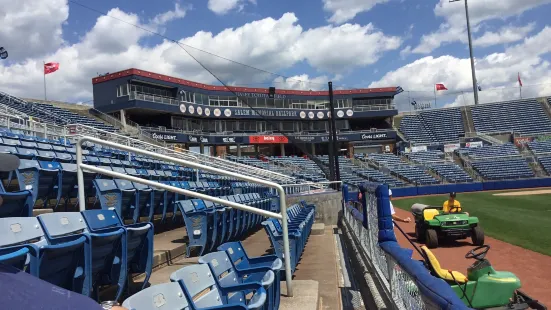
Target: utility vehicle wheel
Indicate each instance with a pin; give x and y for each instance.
(477, 235)
(419, 233)
(431, 238)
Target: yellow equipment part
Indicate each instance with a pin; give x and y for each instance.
(442, 273)
(429, 214)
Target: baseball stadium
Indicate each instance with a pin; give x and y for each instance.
(168, 193)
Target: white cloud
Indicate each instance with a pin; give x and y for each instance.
(338, 49)
(223, 7)
(164, 18)
(271, 44)
(302, 82)
(454, 27)
(30, 28)
(507, 34)
(345, 10)
(496, 73)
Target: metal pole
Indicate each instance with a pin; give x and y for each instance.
(475, 88)
(334, 134)
(44, 72)
(279, 188)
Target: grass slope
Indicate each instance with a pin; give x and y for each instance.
(520, 220)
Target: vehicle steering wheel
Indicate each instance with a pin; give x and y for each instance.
(478, 253)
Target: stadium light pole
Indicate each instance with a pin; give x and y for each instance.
(475, 86)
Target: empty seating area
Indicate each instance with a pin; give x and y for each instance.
(413, 174)
(539, 147)
(503, 150)
(450, 172)
(522, 116)
(498, 169)
(379, 177)
(229, 276)
(441, 125)
(48, 113)
(545, 163)
(385, 159)
(304, 168)
(427, 156)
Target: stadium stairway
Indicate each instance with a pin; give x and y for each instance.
(315, 282)
(467, 119)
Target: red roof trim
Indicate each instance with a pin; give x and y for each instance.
(167, 78)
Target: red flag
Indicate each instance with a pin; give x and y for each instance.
(51, 67)
(441, 87)
(519, 81)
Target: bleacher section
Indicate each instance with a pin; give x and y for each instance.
(450, 172)
(540, 146)
(521, 116)
(48, 113)
(442, 125)
(428, 156)
(503, 150)
(497, 169)
(305, 168)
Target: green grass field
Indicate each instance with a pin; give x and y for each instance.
(520, 220)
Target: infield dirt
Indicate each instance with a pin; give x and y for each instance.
(525, 193)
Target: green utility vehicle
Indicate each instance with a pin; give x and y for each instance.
(432, 224)
(483, 287)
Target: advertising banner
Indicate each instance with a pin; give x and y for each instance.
(268, 139)
(449, 148)
(422, 148)
(523, 140)
(474, 144)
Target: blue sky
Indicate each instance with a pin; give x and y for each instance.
(354, 43)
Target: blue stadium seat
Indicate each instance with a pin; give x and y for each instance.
(165, 295)
(119, 197)
(227, 275)
(242, 262)
(137, 242)
(54, 257)
(204, 291)
(43, 181)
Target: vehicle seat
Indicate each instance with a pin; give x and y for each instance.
(429, 214)
(442, 273)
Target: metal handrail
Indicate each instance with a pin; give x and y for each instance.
(283, 205)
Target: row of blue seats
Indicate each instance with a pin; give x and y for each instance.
(78, 251)
(300, 218)
(221, 280)
(209, 224)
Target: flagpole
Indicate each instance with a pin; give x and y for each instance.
(43, 71)
(434, 89)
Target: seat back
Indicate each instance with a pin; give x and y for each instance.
(160, 296)
(200, 285)
(60, 225)
(221, 267)
(20, 230)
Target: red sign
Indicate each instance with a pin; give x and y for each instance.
(268, 139)
(523, 140)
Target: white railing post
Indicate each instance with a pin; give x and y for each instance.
(279, 188)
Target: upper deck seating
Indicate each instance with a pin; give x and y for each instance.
(440, 125)
(546, 163)
(523, 116)
(414, 174)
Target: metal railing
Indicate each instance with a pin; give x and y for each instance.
(281, 191)
(77, 131)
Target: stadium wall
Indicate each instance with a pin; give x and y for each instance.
(470, 187)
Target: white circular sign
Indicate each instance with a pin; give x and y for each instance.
(320, 114)
(207, 111)
(199, 110)
(340, 113)
(183, 108)
(217, 112)
(311, 114)
(349, 113)
(227, 112)
(328, 114)
(302, 114)
(191, 109)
